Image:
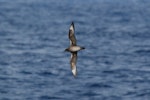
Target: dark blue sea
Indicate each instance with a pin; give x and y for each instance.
(114, 66)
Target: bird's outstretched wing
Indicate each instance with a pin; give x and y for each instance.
(71, 35)
(73, 63)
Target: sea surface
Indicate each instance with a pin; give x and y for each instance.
(114, 66)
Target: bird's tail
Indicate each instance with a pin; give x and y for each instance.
(82, 47)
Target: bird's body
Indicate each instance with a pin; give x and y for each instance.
(73, 49)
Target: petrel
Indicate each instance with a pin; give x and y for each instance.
(73, 49)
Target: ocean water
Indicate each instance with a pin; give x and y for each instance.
(114, 66)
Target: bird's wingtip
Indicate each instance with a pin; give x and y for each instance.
(72, 23)
(74, 72)
(72, 26)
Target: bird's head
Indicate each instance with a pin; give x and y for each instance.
(67, 49)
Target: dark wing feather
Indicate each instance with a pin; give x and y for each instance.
(73, 63)
(71, 35)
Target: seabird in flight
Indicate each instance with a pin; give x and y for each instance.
(73, 49)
